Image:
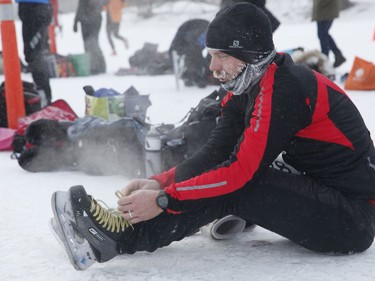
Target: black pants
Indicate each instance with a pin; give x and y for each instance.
(90, 36)
(314, 216)
(327, 43)
(113, 28)
(35, 20)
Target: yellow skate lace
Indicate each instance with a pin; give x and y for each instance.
(110, 219)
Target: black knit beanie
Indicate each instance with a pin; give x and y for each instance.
(241, 30)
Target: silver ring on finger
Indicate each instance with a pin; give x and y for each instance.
(130, 214)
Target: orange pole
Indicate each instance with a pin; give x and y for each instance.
(12, 67)
(52, 27)
(52, 39)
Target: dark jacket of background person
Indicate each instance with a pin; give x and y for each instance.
(325, 10)
(89, 15)
(36, 16)
(189, 42)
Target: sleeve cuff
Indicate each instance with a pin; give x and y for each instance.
(165, 179)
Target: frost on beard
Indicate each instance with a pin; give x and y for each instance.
(224, 75)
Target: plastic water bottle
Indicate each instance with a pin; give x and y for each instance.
(153, 152)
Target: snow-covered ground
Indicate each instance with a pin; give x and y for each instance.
(28, 251)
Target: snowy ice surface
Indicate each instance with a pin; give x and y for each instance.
(28, 251)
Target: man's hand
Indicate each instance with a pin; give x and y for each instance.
(140, 184)
(139, 206)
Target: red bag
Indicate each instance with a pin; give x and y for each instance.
(361, 76)
(58, 110)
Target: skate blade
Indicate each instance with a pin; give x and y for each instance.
(55, 231)
(62, 224)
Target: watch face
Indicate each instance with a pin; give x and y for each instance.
(162, 201)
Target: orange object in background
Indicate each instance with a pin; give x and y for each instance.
(12, 67)
(361, 76)
(52, 27)
(52, 39)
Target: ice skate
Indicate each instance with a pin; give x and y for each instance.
(225, 228)
(77, 248)
(102, 228)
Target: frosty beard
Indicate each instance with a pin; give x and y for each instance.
(223, 75)
(246, 75)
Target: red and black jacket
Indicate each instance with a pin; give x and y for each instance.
(293, 110)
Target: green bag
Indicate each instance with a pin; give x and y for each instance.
(81, 63)
(108, 108)
(111, 105)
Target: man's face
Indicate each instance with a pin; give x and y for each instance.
(224, 66)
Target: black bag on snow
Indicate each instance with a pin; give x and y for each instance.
(102, 149)
(45, 147)
(111, 149)
(151, 62)
(183, 141)
(31, 97)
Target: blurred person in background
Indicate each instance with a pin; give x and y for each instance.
(36, 15)
(114, 15)
(89, 16)
(324, 12)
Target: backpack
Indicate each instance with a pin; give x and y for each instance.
(190, 63)
(181, 142)
(40, 140)
(149, 61)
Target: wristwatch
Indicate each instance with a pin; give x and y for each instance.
(162, 200)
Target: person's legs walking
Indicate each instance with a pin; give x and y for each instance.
(327, 43)
(109, 29)
(323, 28)
(90, 35)
(35, 20)
(116, 34)
(41, 76)
(339, 58)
